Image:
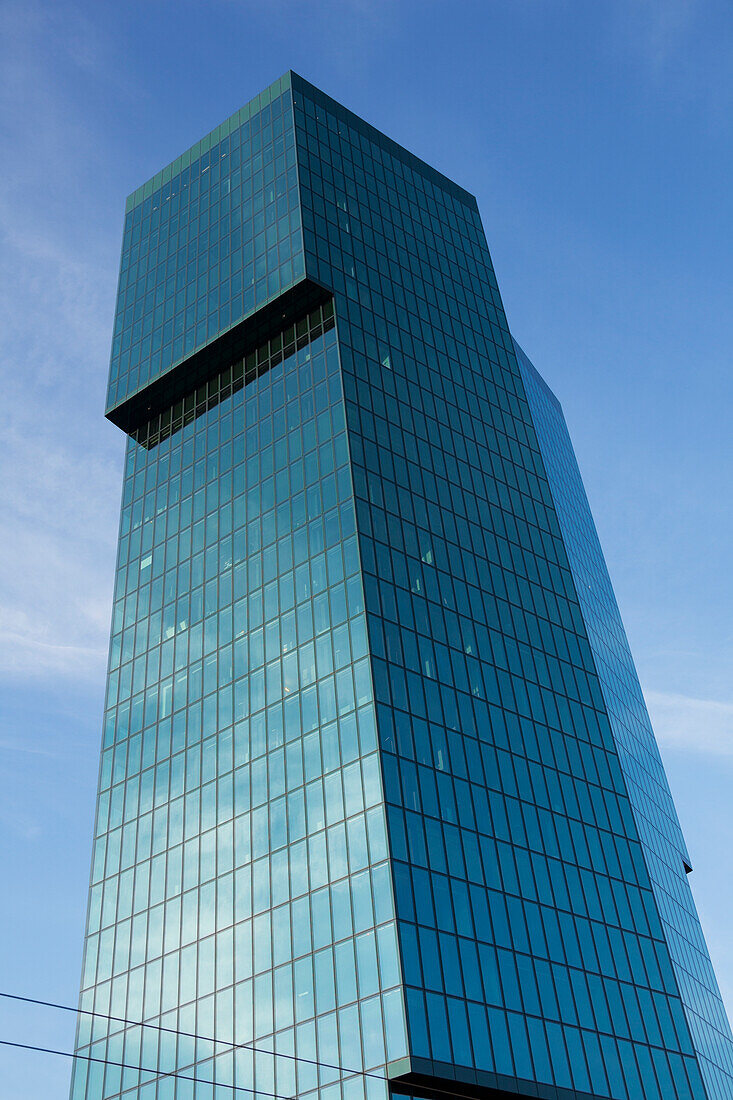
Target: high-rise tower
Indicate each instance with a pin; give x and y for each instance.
(380, 808)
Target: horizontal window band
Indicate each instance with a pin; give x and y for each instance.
(249, 336)
(420, 1079)
(236, 375)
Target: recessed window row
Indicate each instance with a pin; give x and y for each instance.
(236, 375)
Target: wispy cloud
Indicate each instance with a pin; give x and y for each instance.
(692, 725)
(684, 48)
(59, 482)
(25, 748)
(662, 26)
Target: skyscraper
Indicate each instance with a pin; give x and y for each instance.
(380, 808)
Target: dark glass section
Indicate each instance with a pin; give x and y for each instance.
(532, 948)
(664, 847)
(431, 1088)
(226, 381)
(175, 385)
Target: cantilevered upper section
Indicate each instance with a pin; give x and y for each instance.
(211, 241)
(208, 241)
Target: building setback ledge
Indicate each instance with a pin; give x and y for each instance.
(420, 1077)
(175, 384)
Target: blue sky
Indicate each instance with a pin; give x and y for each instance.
(597, 138)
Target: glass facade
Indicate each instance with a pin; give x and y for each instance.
(207, 242)
(379, 807)
(664, 846)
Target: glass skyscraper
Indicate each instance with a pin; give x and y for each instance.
(380, 811)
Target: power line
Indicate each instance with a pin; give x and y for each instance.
(157, 1075)
(190, 1035)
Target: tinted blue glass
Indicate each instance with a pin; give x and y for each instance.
(207, 242)
(527, 920)
(664, 847)
(240, 889)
